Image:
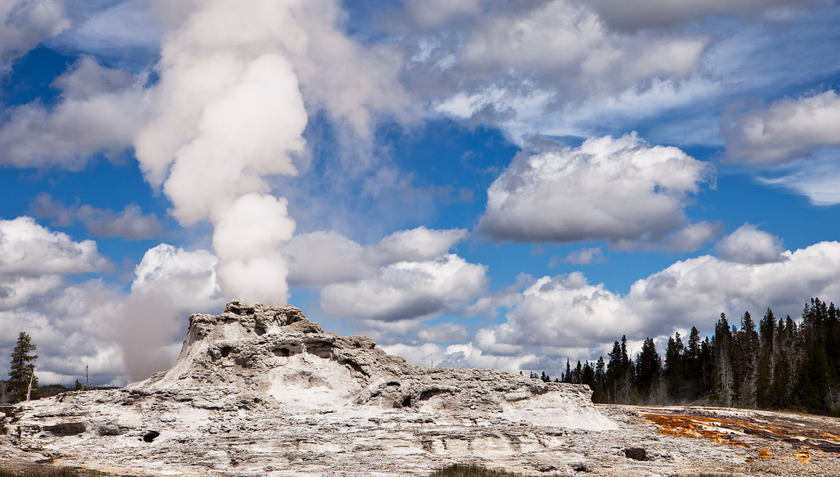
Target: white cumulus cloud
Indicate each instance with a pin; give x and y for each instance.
(788, 129)
(321, 258)
(416, 244)
(621, 190)
(408, 290)
(120, 336)
(443, 333)
(394, 284)
(560, 315)
(28, 249)
(750, 245)
(100, 110)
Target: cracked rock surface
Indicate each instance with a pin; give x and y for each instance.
(261, 390)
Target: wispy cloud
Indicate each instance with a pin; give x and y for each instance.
(130, 223)
(585, 256)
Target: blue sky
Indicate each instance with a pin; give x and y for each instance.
(472, 183)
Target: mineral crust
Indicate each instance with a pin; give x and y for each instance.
(261, 390)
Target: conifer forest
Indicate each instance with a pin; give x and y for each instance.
(778, 363)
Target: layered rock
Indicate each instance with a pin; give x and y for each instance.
(279, 356)
(260, 389)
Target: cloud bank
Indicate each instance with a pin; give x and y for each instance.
(566, 316)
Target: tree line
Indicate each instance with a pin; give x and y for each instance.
(778, 364)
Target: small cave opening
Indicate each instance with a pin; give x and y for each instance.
(406, 402)
(320, 349)
(282, 352)
(356, 368)
(430, 393)
(150, 436)
(259, 330)
(226, 351)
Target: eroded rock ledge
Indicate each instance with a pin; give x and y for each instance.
(277, 354)
(260, 389)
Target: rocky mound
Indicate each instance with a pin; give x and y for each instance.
(261, 389)
(276, 354)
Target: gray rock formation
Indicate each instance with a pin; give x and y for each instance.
(261, 390)
(279, 357)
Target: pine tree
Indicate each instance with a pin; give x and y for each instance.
(578, 374)
(832, 343)
(692, 366)
(23, 369)
(587, 375)
(614, 374)
(707, 364)
(599, 390)
(722, 381)
(674, 368)
(648, 369)
(745, 358)
(628, 374)
(785, 359)
(766, 327)
(812, 391)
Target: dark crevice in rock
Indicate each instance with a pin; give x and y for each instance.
(635, 453)
(356, 367)
(320, 349)
(66, 428)
(430, 393)
(150, 436)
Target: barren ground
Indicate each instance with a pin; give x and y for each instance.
(676, 440)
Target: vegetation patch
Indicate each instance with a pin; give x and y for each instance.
(48, 472)
(471, 470)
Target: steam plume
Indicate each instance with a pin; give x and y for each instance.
(228, 112)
